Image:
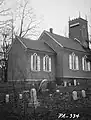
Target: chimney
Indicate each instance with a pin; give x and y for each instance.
(51, 30)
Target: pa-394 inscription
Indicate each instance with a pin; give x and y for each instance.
(71, 116)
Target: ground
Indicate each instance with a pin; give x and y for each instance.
(52, 106)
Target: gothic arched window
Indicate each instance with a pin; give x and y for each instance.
(35, 62)
(73, 62)
(47, 63)
(85, 64)
(84, 32)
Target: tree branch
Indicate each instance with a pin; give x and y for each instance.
(28, 29)
(1, 2)
(26, 20)
(3, 11)
(22, 19)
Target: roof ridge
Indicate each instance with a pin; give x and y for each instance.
(56, 34)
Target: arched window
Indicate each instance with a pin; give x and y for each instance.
(47, 63)
(85, 64)
(70, 61)
(88, 66)
(35, 62)
(73, 62)
(84, 32)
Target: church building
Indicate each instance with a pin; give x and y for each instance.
(53, 57)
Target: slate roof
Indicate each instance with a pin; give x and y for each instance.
(36, 45)
(66, 42)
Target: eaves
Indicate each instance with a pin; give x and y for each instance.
(75, 50)
(40, 51)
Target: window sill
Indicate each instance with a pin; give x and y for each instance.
(87, 70)
(74, 69)
(46, 71)
(35, 70)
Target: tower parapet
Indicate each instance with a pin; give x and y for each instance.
(78, 28)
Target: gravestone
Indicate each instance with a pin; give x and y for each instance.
(20, 96)
(74, 95)
(83, 93)
(7, 98)
(33, 95)
(33, 99)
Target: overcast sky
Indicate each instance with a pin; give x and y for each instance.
(56, 12)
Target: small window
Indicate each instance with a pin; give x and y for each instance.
(70, 61)
(77, 62)
(38, 63)
(83, 63)
(88, 66)
(50, 64)
(84, 32)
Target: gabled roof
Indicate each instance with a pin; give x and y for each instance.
(65, 42)
(35, 44)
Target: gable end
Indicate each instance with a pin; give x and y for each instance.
(22, 42)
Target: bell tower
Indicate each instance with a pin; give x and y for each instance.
(78, 29)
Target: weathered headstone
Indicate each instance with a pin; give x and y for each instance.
(7, 98)
(33, 100)
(65, 83)
(74, 95)
(33, 95)
(69, 84)
(20, 96)
(57, 91)
(83, 93)
(74, 82)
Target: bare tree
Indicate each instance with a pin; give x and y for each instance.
(5, 26)
(4, 34)
(4, 13)
(90, 26)
(25, 20)
(21, 22)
